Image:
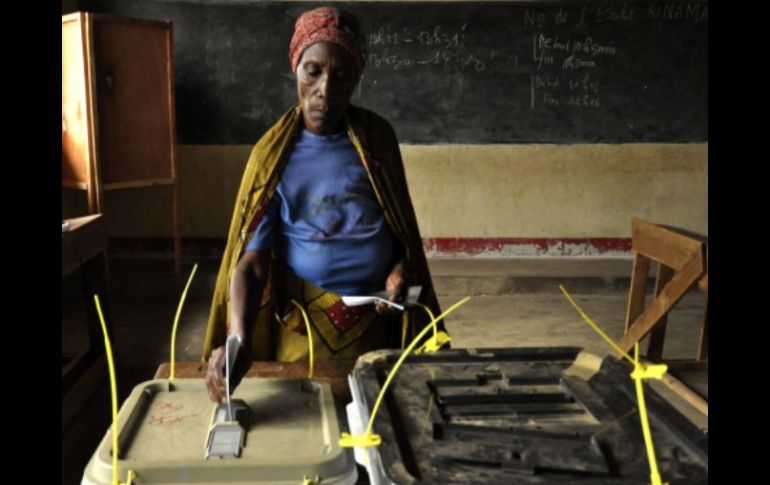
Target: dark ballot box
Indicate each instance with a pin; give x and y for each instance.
(522, 415)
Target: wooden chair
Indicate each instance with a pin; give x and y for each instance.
(682, 259)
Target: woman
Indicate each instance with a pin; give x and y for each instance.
(323, 211)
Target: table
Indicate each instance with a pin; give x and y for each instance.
(84, 246)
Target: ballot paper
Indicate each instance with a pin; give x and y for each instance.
(232, 345)
(412, 294)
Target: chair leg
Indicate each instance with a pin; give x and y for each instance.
(703, 348)
(658, 334)
(638, 289)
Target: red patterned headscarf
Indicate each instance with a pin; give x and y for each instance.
(329, 24)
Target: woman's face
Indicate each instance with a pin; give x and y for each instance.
(326, 78)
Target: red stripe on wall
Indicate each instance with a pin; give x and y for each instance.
(522, 246)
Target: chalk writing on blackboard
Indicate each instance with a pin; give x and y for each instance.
(548, 71)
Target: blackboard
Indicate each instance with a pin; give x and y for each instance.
(456, 72)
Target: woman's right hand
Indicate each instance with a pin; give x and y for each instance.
(215, 376)
(396, 286)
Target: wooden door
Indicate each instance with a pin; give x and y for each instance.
(133, 79)
(79, 169)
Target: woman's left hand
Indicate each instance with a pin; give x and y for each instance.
(396, 286)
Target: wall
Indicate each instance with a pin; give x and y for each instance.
(69, 6)
(471, 200)
(499, 200)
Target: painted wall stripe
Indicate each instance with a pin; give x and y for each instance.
(520, 246)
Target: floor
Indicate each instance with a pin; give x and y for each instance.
(514, 304)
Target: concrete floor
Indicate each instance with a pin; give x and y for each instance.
(536, 320)
(515, 303)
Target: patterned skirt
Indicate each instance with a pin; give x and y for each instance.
(338, 331)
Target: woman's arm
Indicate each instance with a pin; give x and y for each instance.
(246, 286)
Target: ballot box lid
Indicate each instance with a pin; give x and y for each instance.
(163, 426)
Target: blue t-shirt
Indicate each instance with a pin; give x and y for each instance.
(324, 218)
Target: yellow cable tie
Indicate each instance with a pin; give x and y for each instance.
(309, 337)
(638, 375)
(130, 478)
(434, 343)
(367, 439)
(113, 392)
(360, 440)
(642, 371)
(176, 322)
(306, 480)
(596, 327)
(433, 319)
